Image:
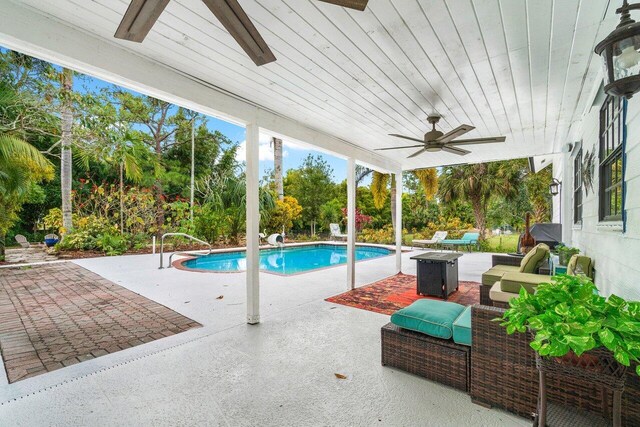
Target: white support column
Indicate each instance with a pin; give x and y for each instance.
(351, 223)
(253, 225)
(399, 222)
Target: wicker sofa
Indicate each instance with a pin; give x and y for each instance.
(504, 374)
(498, 370)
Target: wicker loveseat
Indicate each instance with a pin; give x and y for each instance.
(507, 264)
(498, 370)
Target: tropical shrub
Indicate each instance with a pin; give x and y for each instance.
(568, 315)
(285, 212)
(112, 244)
(53, 220)
(208, 223)
(331, 212)
(103, 201)
(384, 235)
(178, 217)
(86, 233)
(361, 219)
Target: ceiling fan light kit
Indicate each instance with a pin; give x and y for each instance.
(142, 14)
(435, 140)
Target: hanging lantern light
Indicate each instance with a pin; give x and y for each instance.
(620, 52)
(554, 187)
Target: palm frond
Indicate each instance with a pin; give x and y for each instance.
(12, 148)
(429, 180)
(379, 189)
(132, 167)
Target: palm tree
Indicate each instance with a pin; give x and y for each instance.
(225, 192)
(428, 179)
(123, 149)
(478, 183)
(21, 164)
(66, 114)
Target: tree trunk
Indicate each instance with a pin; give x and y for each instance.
(158, 138)
(159, 193)
(65, 142)
(121, 198)
(479, 214)
(277, 167)
(392, 194)
(3, 239)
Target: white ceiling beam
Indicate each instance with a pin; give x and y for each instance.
(26, 30)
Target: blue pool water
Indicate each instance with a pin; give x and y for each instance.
(287, 260)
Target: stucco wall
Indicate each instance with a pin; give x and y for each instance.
(616, 254)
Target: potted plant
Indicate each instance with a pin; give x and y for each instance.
(565, 253)
(568, 318)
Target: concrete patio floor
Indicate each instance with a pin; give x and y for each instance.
(280, 372)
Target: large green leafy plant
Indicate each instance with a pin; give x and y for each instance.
(568, 315)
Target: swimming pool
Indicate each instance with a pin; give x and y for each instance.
(287, 260)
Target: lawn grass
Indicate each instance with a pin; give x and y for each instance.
(504, 243)
(501, 244)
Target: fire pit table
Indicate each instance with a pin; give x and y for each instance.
(437, 273)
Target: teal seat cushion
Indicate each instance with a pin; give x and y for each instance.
(462, 327)
(431, 317)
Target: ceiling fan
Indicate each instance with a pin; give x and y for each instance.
(435, 140)
(142, 14)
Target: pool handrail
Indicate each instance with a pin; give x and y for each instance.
(183, 235)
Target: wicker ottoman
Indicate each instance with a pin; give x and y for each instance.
(433, 358)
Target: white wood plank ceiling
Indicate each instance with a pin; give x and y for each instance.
(518, 68)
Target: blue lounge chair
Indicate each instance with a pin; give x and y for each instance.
(468, 240)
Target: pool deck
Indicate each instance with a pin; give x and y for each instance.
(280, 372)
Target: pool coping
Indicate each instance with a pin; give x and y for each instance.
(178, 263)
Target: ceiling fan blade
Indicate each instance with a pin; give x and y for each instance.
(235, 20)
(398, 148)
(139, 18)
(417, 153)
(478, 140)
(454, 150)
(406, 137)
(452, 134)
(352, 4)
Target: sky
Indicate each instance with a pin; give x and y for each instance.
(292, 153)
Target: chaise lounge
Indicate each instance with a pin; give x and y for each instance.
(468, 240)
(336, 233)
(438, 236)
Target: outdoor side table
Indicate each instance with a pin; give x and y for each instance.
(600, 367)
(437, 273)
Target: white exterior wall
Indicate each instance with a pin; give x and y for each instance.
(616, 254)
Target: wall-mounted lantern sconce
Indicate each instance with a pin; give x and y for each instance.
(554, 187)
(620, 51)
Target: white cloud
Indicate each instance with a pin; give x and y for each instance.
(265, 149)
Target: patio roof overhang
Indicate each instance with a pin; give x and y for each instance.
(344, 79)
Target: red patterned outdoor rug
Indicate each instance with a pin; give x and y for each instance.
(395, 292)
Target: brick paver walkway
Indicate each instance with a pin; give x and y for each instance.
(56, 315)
